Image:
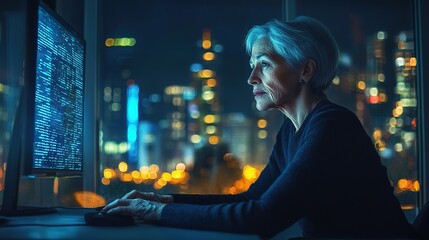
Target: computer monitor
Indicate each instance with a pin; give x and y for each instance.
(55, 122)
(47, 136)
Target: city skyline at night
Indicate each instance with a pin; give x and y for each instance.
(168, 54)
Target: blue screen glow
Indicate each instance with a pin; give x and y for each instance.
(58, 143)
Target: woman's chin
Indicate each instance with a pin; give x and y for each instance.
(262, 107)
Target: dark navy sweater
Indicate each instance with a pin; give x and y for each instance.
(327, 176)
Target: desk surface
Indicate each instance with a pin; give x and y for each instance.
(70, 224)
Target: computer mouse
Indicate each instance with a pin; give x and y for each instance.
(105, 219)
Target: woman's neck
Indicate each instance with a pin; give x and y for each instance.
(298, 111)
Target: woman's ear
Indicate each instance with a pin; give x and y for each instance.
(309, 69)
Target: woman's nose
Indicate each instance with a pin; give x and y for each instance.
(253, 78)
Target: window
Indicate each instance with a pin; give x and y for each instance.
(176, 112)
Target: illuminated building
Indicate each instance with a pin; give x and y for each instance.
(132, 122)
(112, 140)
(394, 93)
(174, 128)
(376, 96)
(205, 109)
(237, 132)
(402, 123)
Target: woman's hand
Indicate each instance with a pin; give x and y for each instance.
(151, 196)
(145, 205)
(147, 210)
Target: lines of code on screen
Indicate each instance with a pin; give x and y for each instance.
(58, 139)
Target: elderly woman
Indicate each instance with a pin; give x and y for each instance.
(324, 171)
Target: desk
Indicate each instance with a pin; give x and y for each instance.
(70, 224)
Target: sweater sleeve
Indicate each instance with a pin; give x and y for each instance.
(205, 199)
(281, 204)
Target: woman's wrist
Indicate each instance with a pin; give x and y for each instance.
(166, 198)
(158, 212)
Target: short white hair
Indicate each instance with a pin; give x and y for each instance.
(299, 40)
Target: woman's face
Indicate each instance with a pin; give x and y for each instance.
(275, 83)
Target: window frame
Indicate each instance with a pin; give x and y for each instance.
(421, 35)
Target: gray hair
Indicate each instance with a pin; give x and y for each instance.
(299, 40)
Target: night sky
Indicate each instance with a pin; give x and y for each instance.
(167, 33)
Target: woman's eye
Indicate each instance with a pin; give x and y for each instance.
(264, 64)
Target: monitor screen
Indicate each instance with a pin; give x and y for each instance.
(58, 96)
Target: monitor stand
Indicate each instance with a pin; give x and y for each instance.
(13, 172)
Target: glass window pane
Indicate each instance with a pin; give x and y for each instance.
(377, 79)
(176, 111)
